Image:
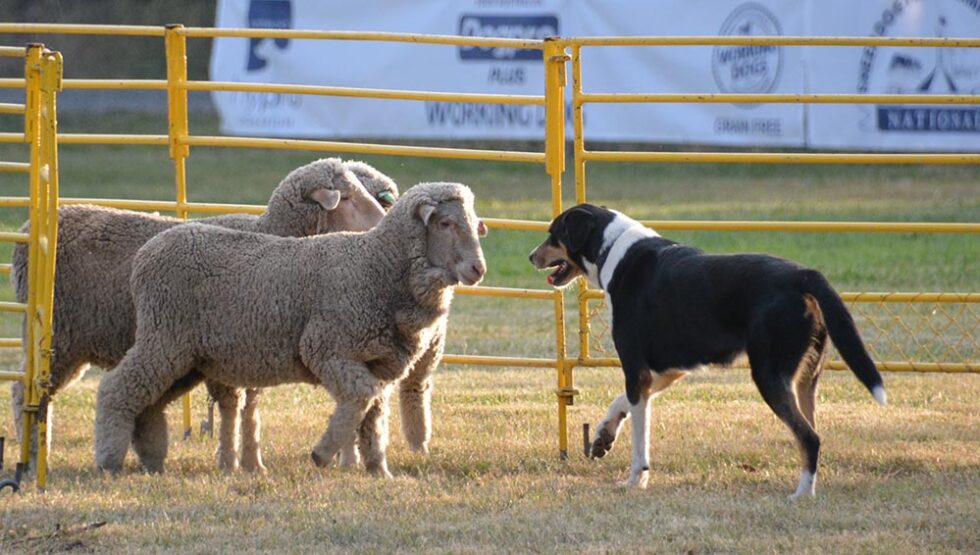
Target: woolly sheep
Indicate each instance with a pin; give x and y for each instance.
(94, 317)
(239, 441)
(352, 312)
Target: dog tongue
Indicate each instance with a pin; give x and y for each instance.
(551, 279)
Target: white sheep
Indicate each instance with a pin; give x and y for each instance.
(94, 317)
(239, 442)
(350, 311)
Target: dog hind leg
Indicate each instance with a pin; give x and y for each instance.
(778, 341)
(811, 366)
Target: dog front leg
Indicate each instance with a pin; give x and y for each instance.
(607, 431)
(640, 466)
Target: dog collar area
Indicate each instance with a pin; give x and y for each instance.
(604, 251)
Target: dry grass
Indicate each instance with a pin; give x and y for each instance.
(901, 479)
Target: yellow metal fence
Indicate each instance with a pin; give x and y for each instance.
(556, 55)
(42, 81)
(179, 139)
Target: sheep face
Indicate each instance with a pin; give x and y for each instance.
(348, 206)
(379, 185)
(453, 240)
(322, 197)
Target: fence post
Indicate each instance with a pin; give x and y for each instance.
(176, 50)
(584, 328)
(555, 58)
(51, 80)
(32, 135)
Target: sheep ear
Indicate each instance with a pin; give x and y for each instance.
(481, 229)
(425, 212)
(327, 198)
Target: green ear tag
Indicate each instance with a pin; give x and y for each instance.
(387, 197)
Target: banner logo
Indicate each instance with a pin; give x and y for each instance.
(920, 71)
(533, 27)
(748, 69)
(267, 14)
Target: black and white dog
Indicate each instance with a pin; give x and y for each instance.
(675, 308)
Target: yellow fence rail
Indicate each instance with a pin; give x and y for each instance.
(557, 53)
(42, 81)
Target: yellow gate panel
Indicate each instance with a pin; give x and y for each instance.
(42, 80)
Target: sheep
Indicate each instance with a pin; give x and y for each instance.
(239, 439)
(94, 317)
(349, 311)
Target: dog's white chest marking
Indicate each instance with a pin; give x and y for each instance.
(621, 234)
(591, 272)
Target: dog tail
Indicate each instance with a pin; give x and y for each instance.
(844, 333)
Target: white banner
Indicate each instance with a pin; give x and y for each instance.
(692, 69)
(754, 69)
(507, 71)
(895, 70)
(389, 65)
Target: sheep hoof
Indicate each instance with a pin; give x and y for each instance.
(109, 471)
(318, 460)
(227, 466)
(380, 471)
(153, 468)
(255, 468)
(420, 450)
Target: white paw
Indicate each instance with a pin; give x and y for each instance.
(806, 488)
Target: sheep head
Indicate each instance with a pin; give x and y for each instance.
(326, 196)
(379, 185)
(453, 232)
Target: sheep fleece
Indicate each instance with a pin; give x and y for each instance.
(254, 310)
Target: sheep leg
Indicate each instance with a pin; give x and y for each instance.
(145, 374)
(61, 375)
(350, 457)
(17, 402)
(150, 440)
(373, 435)
(353, 387)
(341, 430)
(415, 396)
(150, 436)
(251, 433)
(230, 402)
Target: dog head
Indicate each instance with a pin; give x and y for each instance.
(574, 240)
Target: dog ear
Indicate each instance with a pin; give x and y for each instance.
(579, 225)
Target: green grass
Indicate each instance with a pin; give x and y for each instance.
(897, 480)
